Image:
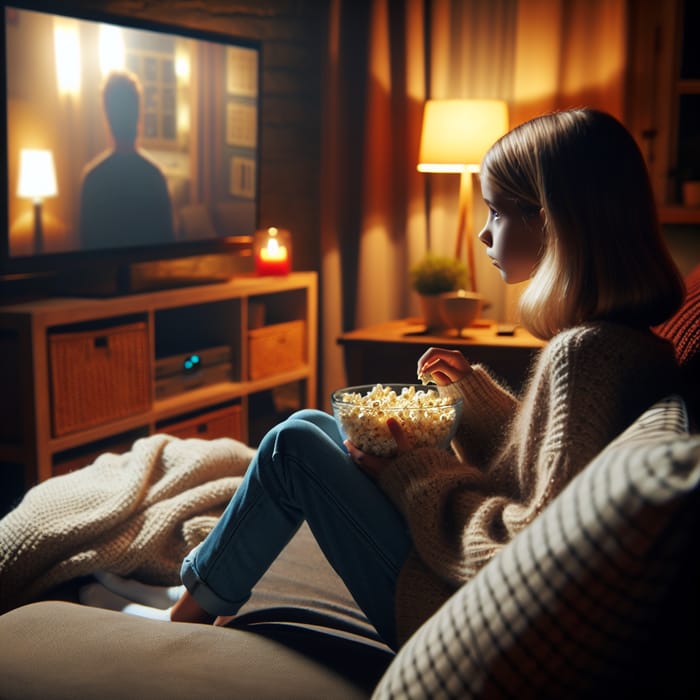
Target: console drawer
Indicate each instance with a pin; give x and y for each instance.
(222, 423)
(276, 348)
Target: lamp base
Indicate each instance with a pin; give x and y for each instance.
(460, 309)
(38, 229)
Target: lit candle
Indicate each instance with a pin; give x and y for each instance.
(272, 257)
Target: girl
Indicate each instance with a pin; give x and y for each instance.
(570, 206)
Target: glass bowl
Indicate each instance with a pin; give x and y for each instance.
(428, 418)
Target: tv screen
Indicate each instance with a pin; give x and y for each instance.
(124, 140)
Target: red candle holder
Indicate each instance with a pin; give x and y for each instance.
(272, 249)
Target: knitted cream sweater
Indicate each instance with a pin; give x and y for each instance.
(515, 456)
(135, 514)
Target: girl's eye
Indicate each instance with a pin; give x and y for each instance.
(493, 212)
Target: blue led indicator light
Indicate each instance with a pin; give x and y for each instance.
(191, 362)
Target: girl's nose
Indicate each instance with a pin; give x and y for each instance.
(485, 237)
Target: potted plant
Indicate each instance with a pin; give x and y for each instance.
(430, 278)
(435, 274)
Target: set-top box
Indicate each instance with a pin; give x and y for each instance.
(178, 373)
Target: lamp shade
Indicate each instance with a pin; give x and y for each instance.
(37, 175)
(457, 133)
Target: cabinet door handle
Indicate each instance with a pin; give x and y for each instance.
(101, 345)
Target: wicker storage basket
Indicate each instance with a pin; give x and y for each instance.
(224, 423)
(277, 348)
(98, 376)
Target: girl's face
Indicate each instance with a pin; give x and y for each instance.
(513, 239)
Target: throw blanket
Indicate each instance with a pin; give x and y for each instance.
(135, 514)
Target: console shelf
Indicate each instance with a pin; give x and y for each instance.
(46, 427)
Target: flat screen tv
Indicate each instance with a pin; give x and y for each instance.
(123, 140)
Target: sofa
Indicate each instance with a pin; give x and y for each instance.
(596, 598)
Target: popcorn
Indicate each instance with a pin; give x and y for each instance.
(427, 418)
(425, 378)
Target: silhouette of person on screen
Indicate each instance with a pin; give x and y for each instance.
(124, 199)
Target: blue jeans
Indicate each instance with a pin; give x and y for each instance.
(302, 471)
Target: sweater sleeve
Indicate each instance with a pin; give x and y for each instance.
(461, 514)
(454, 507)
(451, 510)
(488, 408)
(437, 491)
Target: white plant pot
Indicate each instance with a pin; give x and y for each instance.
(460, 309)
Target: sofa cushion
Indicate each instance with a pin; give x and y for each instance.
(683, 331)
(573, 606)
(66, 651)
(683, 328)
(300, 620)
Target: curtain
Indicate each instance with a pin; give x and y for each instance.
(384, 59)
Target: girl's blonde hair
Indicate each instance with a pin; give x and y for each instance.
(603, 256)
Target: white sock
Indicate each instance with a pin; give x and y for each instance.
(137, 592)
(97, 596)
(145, 611)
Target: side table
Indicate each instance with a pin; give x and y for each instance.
(388, 352)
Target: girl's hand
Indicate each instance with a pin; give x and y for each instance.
(443, 366)
(371, 464)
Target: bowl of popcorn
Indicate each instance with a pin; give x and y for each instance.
(428, 418)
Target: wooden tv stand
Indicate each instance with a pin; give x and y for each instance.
(277, 316)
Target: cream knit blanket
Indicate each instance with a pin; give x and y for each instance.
(135, 514)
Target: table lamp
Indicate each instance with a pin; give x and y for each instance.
(455, 136)
(37, 180)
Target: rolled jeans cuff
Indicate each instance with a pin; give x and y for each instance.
(202, 593)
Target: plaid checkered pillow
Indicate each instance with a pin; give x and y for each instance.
(572, 605)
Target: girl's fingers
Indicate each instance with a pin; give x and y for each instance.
(368, 463)
(443, 366)
(398, 434)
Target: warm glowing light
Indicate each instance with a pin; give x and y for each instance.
(455, 137)
(182, 75)
(183, 119)
(37, 175)
(67, 56)
(272, 254)
(273, 251)
(182, 67)
(457, 133)
(112, 54)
